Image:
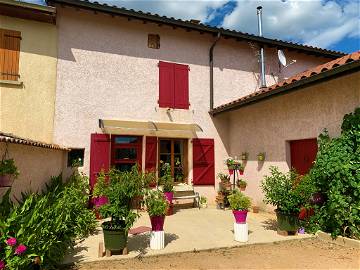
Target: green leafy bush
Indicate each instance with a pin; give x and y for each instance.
(7, 166)
(156, 203)
(47, 223)
(238, 201)
(166, 179)
(337, 175)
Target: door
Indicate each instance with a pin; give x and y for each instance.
(303, 154)
(126, 152)
(99, 155)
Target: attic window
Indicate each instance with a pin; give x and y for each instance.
(153, 41)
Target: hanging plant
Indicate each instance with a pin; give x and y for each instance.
(8, 172)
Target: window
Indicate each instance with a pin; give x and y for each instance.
(153, 41)
(173, 86)
(126, 152)
(75, 158)
(9, 54)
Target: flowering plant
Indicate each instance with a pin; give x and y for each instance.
(13, 255)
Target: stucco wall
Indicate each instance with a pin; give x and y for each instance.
(269, 125)
(27, 110)
(106, 70)
(36, 166)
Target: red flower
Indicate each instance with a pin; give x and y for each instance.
(2, 265)
(20, 249)
(11, 241)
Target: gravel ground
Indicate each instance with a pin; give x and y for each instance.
(297, 254)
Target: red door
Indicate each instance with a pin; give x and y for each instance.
(150, 154)
(203, 162)
(303, 154)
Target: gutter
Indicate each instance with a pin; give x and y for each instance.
(320, 77)
(211, 65)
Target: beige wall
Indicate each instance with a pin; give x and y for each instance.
(267, 126)
(36, 166)
(27, 110)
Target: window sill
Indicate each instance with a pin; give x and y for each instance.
(18, 83)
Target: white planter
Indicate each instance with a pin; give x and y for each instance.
(157, 240)
(241, 232)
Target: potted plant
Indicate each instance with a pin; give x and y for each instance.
(8, 172)
(240, 204)
(261, 156)
(288, 194)
(241, 168)
(156, 206)
(244, 155)
(255, 209)
(98, 197)
(241, 183)
(121, 188)
(167, 182)
(230, 163)
(203, 202)
(224, 181)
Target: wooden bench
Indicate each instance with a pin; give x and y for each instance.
(188, 194)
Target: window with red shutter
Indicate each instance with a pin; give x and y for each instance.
(173, 85)
(203, 162)
(9, 54)
(303, 154)
(99, 156)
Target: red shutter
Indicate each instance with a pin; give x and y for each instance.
(303, 154)
(181, 86)
(151, 153)
(99, 155)
(203, 162)
(166, 85)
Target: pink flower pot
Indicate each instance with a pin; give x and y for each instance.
(6, 180)
(240, 215)
(241, 172)
(157, 223)
(169, 196)
(231, 171)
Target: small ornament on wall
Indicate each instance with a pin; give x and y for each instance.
(153, 41)
(261, 156)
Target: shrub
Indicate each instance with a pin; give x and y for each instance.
(238, 201)
(337, 175)
(156, 203)
(7, 166)
(47, 223)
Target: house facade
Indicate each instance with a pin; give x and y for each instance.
(137, 88)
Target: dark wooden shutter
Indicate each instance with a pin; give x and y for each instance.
(9, 54)
(181, 86)
(166, 85)
(303, 154)
(203, 162)
(99, 155)
(151, 154)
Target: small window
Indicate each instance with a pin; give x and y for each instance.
(153, 41)
(9, 53)
(75, 158)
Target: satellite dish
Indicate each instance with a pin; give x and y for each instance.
(282, 58)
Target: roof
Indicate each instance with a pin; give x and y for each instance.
(194, 25)
(28, 11)
(10, 138)
(343, 65)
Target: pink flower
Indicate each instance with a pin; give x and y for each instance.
(20, 249)
(2, 265)
(11, 241)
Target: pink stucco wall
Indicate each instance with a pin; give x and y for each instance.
(268, 126)
(105, 70)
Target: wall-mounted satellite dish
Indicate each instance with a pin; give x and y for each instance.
(282, 58)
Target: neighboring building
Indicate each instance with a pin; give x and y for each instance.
(28, 56)
(284, 120)
(135, 88)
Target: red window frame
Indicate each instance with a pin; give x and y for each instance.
(173, 85)
(137, 145)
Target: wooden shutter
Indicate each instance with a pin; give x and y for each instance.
(181, 86)
(303, 154)
(9, 54)
(166, 85)
(99, 155)
(151, 154)
(203, 162)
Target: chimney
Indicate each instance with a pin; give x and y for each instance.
(262, 57)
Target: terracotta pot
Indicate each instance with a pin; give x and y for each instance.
(6, 180)
(255, 209)
(170, 210)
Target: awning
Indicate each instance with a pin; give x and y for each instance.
(149, 128)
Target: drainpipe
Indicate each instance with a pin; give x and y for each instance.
(262, 57)
(211, 64)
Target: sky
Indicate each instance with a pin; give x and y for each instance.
(329, 24)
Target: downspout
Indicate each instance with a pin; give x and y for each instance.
(211, 65)
(262, 57)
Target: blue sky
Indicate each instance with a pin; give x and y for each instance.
(331, 24)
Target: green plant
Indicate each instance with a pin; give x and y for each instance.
(122, 187)
(156, 203)
(166, 179)
(100, 186)
(261, 156)
(241, 183)
(230, 162)
(238, 201)
(284, 191)
(244, 155)
(203, 199)
(7, 166)
(223, 177)
(336, 173)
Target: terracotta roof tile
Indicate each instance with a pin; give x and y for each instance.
(355, 56)
(7, 137)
